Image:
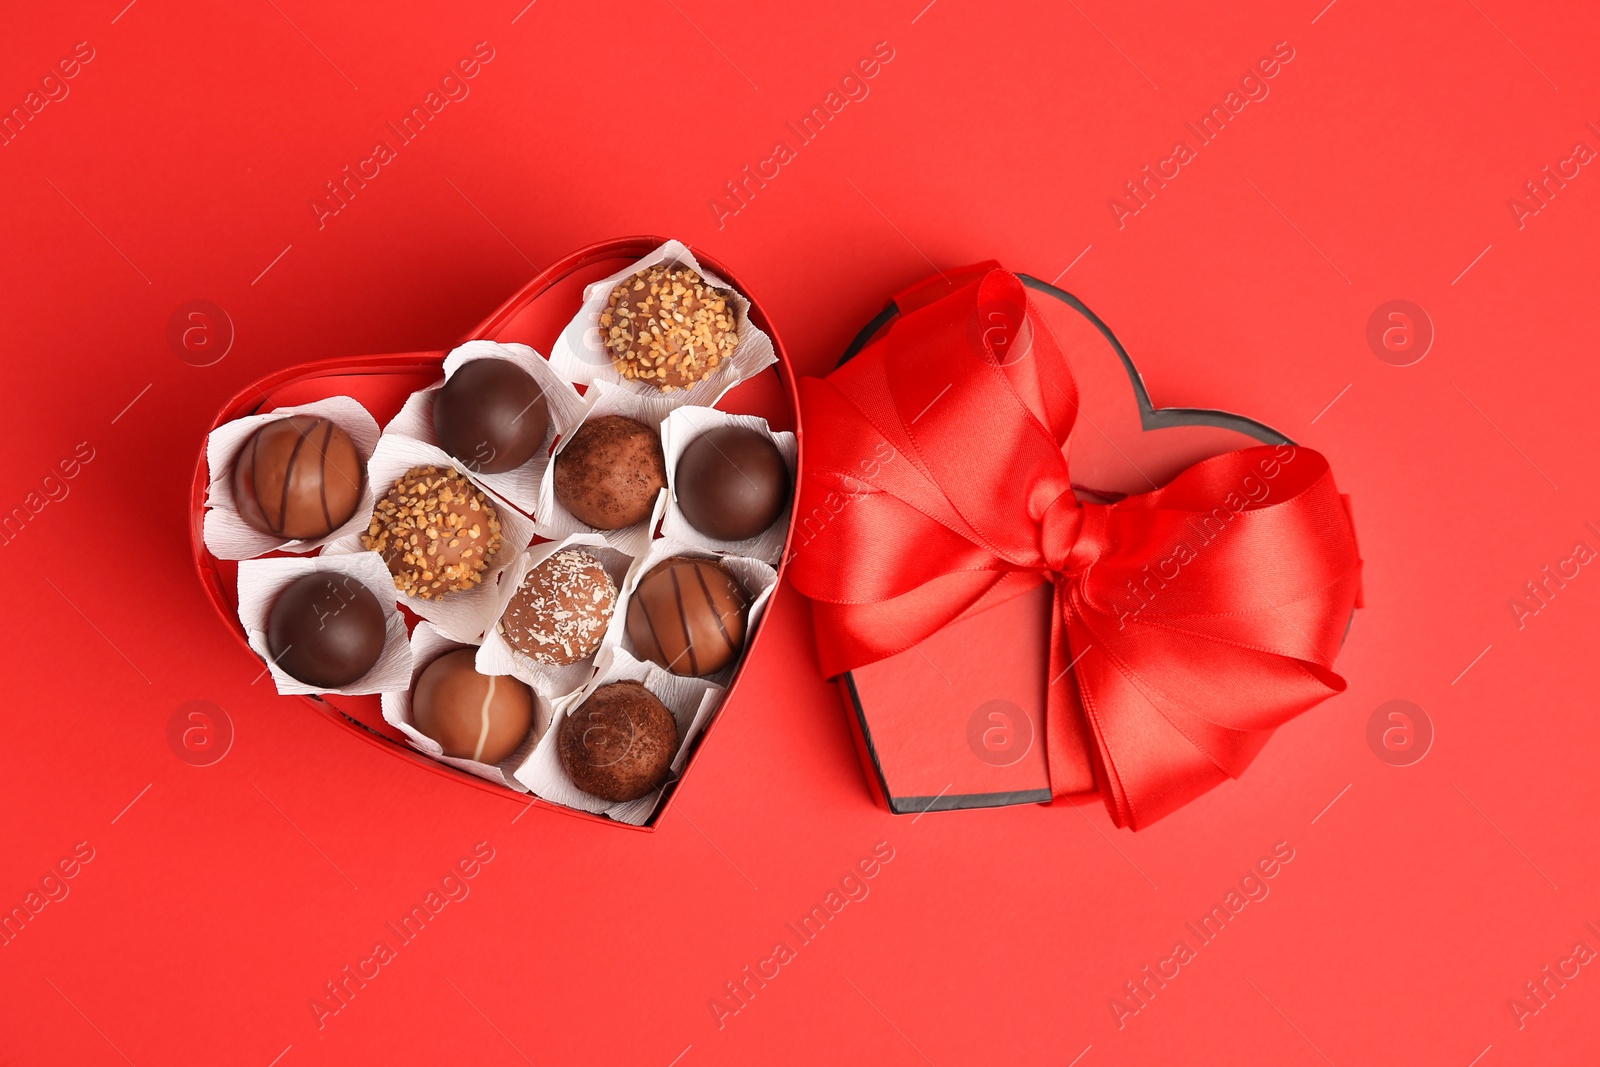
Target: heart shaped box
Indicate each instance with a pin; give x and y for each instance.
(969, 733)
(534, 316)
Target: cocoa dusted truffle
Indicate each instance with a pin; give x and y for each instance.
(474, 716)
(732, 483)
(436, 532)
(688, 615)
(491, 415)
(298, 478)
(326, 629)
(560, 611)
(618, 744)
(666, 326)
(609, 473)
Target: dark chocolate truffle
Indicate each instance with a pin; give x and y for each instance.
(559, 613)
(688, 616)
(732, 483)
(436, 532)
(491, 415)
(298, 478)
(667, 326)
(474, 716)
(326, 629)
(608, 475)
(618, 744)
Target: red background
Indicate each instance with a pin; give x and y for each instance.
(1380, 165)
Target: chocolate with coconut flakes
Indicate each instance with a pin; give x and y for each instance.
(559, 613)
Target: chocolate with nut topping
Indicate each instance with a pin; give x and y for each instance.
(668, 327)
(436, 532)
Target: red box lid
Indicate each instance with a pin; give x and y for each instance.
(958, 720)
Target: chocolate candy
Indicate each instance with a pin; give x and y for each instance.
(732, 483)
(608, 475)
(474, 716)
(326, 629)
(666, 326)
(298, 478)
(618, 744)
(436, 532)
(559, 613)
(491, 415)
(688, 615)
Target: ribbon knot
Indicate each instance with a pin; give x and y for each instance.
(1062, 546)
(1189, 622)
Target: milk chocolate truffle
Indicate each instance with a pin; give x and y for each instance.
(491, 415)
(474, 716)
(560, 611)
(688, 615)
(608, 475)
(298, 478)
(732, 483)
(326, 629)
(436, 532)
(666, 326)
(618, 745)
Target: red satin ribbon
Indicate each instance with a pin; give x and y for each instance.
(1190, 622)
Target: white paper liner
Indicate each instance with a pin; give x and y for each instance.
(757, 577)
(519, 486)
(227, 536)
(496, 656)
(262, 580)
(682, 427)
(427, 645)
(579, 355)
(692, 702)
(465, 614)
(555, 521)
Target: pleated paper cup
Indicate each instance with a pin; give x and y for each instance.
(692, 702)
(758, 580)
(464, 614)
(427, 645)
(519, 486)
(226, 535)
(682, 428)
(262, 581)
(556, 521)
(581, 357)
(497, 656)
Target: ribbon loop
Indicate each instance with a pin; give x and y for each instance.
(1190, 621)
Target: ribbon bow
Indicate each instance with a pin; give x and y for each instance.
(1189, 622)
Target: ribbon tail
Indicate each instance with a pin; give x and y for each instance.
(1069, 751)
